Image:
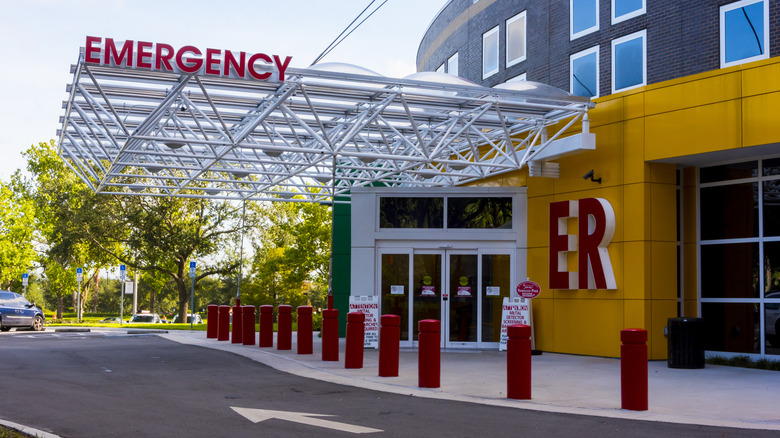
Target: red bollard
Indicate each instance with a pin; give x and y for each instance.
(633, 369)
(353, 356)
(330, 335)
(248, 330)
(212, 321)
(284, 327)
(305, 337)
(429, 354)
(266, 328)
(223, 323)
(237, 322)
(389, 345)
(518, 362)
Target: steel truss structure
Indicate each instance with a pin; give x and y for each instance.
(312, 137)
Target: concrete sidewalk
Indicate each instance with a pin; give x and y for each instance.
(713, 396)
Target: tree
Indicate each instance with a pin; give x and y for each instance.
(290, 265)
(17, 250)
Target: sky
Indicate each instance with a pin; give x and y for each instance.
(40, 39)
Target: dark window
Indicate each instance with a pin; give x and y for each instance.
(729, 212)
(411, 212)
(729, 271)
(728, 172)
(731, 327)
(480, 213)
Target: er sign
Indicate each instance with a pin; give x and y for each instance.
(595, 228)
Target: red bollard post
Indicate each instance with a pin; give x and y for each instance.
(248, 330)
(330, 335)
(518, 362)
(223, 324)
(237, 323)
(429, 354)
(212, 321)
(389, 345)
(305, 336)
(266, 328)
(633, 369)
(284, 327)
(353, 356)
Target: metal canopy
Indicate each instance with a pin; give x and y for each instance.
(136, 132)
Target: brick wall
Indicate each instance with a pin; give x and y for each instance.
(682, 39)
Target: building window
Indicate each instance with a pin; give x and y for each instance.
(440, 69)
(583, 17)
(490, 53)
(624, 9)
(515, 39)
(744, 32)
(584, 71)
(518, 78)
(739, 262)
(452, 65)
(629, 61)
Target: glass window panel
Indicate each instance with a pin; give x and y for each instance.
(625, 7)
(490, 52)
(729, 271)
(771, 269)
(411, 212)
(427, 289)
(395, 289)
(440, 69)
(771, 195)
(629, 62)
(480, 213)
(770, 166)
(584, 73)
(726, 172)
(729, 212)
(463, 298)
(772, 323)
(731, 327)
(743, 31)
(584, 17)
(496, 277)
(515, 39)
(452, 65)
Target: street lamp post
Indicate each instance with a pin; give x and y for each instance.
(122, 272)
(192, 293)
(79, 276)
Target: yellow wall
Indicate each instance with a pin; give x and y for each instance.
(714, 111)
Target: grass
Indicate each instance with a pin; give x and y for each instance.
(745, 362)
(7, 432)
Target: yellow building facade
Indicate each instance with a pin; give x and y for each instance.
(643, 137)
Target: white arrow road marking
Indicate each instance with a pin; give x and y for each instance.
(258, 415)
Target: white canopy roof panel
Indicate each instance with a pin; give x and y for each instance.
(140, 132)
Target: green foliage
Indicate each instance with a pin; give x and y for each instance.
(744, 361)
(17, 252)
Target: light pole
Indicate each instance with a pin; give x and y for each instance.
(192, 293)
(79, 276)
(122, 272)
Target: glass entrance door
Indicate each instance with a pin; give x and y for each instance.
(464, 289)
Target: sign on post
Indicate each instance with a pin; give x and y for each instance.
(192, 269)
(369, 306)
(122, 271)
(514, 311)
(528, 289)
(79, 274)
(25, 279)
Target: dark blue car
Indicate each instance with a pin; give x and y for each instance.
(16, 311)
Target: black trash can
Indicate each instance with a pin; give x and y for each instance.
(686, 343)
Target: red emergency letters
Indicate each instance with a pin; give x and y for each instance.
(596, 226)
(187, 59)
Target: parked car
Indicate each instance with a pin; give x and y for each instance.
(16, 311)
(111, 320)
(145, 318)
(196, 319)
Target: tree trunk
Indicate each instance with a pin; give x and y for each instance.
(183, 299)
(153, 300)
(97, 293)
(60, 306)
